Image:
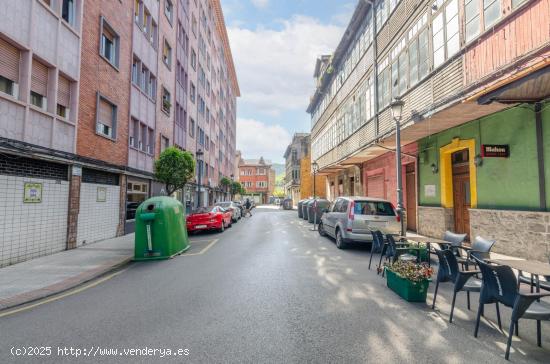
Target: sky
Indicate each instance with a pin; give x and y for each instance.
(275, 44)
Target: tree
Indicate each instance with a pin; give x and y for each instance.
(174, 168)
(236, 188)
(279, 192)
(225, 182)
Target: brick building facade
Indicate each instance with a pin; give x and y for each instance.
(254, 176)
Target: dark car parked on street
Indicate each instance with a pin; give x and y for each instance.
(316, 209)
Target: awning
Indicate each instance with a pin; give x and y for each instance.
(532, 88)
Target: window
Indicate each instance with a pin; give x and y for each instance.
(471, 17)
(423, 60)
(106, 117)
(193, 59)
(144, 78)
(164, 143)
(143, 137)
(154, 33)
(166, 103)
(167, 54)
(191, 127)
(134, 133)
(68, 11)
(150, 141)
(135, 71)
(9, 68)
(138, 10)
(168, 9)
(445, 33)
(39, 84)
(192, 92)
(152, 87)
(63, 96)
(516, 3)
(109, 47)
(491, 12)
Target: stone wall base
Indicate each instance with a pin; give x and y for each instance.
(523, 234)
(434, 221)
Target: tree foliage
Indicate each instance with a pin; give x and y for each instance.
(225, 182)
(174, 168)
(237, 188)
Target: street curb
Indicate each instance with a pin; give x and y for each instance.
(64, 285)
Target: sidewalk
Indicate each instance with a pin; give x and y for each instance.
(42, 277)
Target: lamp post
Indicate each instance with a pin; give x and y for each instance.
(199, 153)
(397, 110)
(315, 168)
(231, 187)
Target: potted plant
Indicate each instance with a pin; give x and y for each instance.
(423, 251)
(409, 280)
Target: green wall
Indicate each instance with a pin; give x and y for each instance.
(546, 136)
(502, 183)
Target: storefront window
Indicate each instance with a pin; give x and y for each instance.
(136, 193)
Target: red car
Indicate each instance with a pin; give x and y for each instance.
(209, 218)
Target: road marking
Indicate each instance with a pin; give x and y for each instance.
(63, 295)
(204, 250)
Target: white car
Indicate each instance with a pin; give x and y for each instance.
(233, 207)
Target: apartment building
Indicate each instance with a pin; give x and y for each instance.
(295, 152)
(39, 86)
(254, 176)
(472, 75)
(91, 92)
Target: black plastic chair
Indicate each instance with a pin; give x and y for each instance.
(377, 244)
(391, 251)
(500, 285)
(463, 280)
(542, 284)
(455, 241)
(481, 250)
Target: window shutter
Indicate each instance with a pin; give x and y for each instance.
(9, 62)
(63, 91)
(105, 113)
(39, 80)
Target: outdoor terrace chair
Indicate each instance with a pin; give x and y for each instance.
(481, 250)
(377, 244)
(463, 280)
(500, 286)
(455, 241)
(543, 284)
(392, 252)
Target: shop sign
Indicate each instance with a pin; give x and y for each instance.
(33, 192)
(495, 151)
(101, 194)
(429, 190)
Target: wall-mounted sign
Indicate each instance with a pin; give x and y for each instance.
(77, 170)
(33, 192)
(429, 190)
(495, 151)
(101, 194)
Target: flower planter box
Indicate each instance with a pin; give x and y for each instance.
(423, 254)
(408, 290)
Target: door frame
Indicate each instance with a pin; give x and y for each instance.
(446, 171)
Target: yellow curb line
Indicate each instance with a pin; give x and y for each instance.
(202, 251)
(63, 295)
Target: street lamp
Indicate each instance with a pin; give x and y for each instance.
(315, 168)
(231, 187)
(199, 153)
(397, 111)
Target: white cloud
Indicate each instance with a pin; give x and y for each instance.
(256, 139)
(260, 3)
(275, 67)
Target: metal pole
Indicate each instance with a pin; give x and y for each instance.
(200, 175)
(399, 172)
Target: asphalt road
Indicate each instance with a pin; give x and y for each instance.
(268, 291)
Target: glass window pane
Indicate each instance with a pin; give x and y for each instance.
(491, 12)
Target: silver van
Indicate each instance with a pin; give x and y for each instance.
(351, 219)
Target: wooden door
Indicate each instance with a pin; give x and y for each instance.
(410, 183)
(461, 192)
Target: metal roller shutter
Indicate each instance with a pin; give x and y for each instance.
(63, 91)
(39, 80)
(375, 186)
(9, 61)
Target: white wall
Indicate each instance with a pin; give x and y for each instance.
(97, 220)
(30, 230)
